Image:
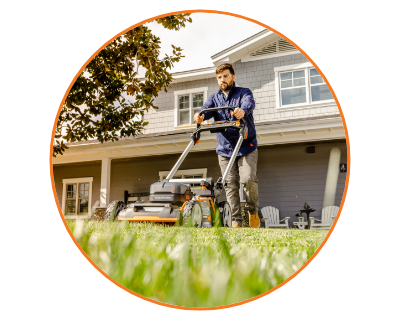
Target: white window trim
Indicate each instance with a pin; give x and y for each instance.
(305, 65)
(203, 171)
(203, 90)
(76, 180)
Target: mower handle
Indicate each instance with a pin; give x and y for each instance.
(215, 109)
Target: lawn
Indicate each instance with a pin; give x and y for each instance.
(196, 267)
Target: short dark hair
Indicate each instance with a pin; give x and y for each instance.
(225, 66)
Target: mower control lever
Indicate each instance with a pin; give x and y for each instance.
(219, 185)
(219, 126)
(215, 109)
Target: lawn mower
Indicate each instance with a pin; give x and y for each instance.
(174, 201)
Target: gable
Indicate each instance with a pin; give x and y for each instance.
(279, 47)
(237, 51)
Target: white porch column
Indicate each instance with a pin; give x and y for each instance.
(332, 177)
(105, 182)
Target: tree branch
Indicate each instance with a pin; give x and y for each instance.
(151, 70)
(137, 64)
(81, 114)
(99, 88)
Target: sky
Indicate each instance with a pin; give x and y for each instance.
(208, 34)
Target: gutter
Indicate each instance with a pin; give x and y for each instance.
(260, 125)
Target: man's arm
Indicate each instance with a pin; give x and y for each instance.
(208, 115)
(247, 103)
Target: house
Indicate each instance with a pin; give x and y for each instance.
(299, 130)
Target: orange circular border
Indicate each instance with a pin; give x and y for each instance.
(234, 304)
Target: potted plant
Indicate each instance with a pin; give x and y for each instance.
(300, 216)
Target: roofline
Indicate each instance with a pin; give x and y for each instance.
(306, 129)
(177, 76)
(239, 44)
(182, 73)
(185, 131)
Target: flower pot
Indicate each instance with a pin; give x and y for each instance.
(301, 219)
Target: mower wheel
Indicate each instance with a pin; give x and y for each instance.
(113, 210)
(226, 213)
(192, 214)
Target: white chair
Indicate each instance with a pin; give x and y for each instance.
(328, 216)
(271, 218)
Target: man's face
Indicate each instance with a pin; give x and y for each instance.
(225, 80)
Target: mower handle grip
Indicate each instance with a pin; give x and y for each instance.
(215, 109)
(243, 124)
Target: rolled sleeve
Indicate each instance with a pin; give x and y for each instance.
(247, 103)
(209, 104)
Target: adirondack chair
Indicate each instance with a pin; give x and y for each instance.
(328, 216)
(271, 218)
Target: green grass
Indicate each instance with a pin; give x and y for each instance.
(196, 267)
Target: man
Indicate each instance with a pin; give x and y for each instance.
(244, 169)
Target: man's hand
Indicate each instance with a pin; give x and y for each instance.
(198, 119)
(238, 113)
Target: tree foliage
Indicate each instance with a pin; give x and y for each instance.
(96, 107)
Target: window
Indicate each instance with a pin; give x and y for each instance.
(187, 109)
(319, 90)
(293, 87)
(77, 196)
(186, 174)
(187, 103)
(300, 85)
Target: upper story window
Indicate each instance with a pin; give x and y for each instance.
(299, 86)
(187, 103)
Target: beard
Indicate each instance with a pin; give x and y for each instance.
(226, 86)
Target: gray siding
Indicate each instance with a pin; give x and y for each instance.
(288, 177)
(162, 119)
(259, 76)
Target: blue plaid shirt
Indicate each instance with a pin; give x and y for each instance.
(226, 141)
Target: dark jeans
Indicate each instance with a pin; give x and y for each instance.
(244, 170)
